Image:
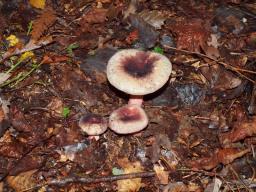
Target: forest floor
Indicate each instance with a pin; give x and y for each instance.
(201, 135)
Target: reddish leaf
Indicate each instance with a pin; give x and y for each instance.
(224, 156)
(240, 132)
(191, 35)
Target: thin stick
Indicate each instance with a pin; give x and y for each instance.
(89, 180)
(235, 69)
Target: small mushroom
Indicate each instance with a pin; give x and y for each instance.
(136, 73)
(93, 124)
(128, 119)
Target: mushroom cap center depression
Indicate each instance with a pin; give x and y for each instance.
(139, 65)
(129, 114)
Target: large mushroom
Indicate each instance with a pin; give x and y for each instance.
(136, 73)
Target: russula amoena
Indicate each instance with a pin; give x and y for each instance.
(136, 73)
(93, 124)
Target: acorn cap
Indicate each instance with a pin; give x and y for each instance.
(138, 72)
(93, 124)
(128, 119)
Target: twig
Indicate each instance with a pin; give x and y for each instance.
(89, 180)
(235, 69)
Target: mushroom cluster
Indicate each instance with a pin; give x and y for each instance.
(136, 73)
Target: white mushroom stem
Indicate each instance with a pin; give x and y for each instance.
(135, 100)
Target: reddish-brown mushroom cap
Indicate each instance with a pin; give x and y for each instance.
(128, 119)
(138, 72)
(93, 124)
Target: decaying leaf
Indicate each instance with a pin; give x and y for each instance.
(95, 15)
(176, 187)
(40, 4)
(129, 185)
(224, 156)
(214, 186)
(219, 78)
(147, 34)
(161, 174)
(154, 18)
(4, 77)
(132, 7)
(191, 35)
(42, 23)
(22, 181)
(239, 132)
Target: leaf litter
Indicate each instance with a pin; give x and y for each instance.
(201, 132)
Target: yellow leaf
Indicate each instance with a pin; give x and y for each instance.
(129, 185)
(161, 174)
(13, 40)
(26, 55)
(40, 4)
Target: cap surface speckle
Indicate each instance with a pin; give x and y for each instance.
(138, 72)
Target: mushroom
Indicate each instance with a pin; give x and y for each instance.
(136, 73)
(128, 119)
(93, 124)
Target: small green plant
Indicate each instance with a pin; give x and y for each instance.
(30, 25)
(71, 47)
(158, 49)
(65, 112)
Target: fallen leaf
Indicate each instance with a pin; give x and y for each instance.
(147, 34)
(95, 15)
(155, 18)
(132, 7)
(214, 41)
(161, 174)
(42, 23)
(56, 107)
(22, 181)
(192, 35)
(176, 187)
(239, 132)
(129, 185)
(39, 4)
(224, 156)
(4, 77)
(214, 186)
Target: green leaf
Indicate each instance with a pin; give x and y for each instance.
(65, 112)
(71, 47)
(116, 171)
(158, 50)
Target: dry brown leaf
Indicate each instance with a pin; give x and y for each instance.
(176, 187)
(224, 156)
(41, 24)
(154, 18)
(56, 107)
(240, 132)
(129, 185)
(192, 35)
(132, 7)
(22, 181)
(95, 15)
